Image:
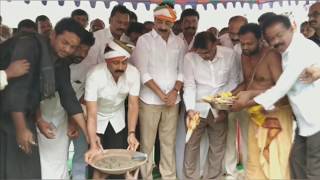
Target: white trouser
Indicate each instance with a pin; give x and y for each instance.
(231, 155)
(54, 153)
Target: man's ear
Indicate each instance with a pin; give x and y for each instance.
(53, 35)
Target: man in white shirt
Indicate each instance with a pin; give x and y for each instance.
(108, 85)
(158, 56)
(119, 22)
(208, 70)
(55, 125)
(189, 22)
(231, 40)
(297, 53)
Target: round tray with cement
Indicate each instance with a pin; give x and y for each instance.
(118, 161)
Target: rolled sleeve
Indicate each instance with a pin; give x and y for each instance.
(135, 89)
(3, 80)
(180, 77)
(234, 74)
(146, 77)
(140, 57)
(91, 88)
(189, 95)
(180, 62)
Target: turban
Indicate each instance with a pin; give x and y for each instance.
(164, 12)
(118, 49)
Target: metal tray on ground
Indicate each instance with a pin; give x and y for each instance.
(106, 161)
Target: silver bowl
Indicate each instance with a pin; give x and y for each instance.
(136, 160)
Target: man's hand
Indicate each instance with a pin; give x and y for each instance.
(190, 115)
(164, 98)
(25, 140)
(73, 130)
(95, 148)
(46, 129)
(134, 176)
(133, 142)
(310, 74)
(242, 100)
(172, 97)
(17, 68)
(222, 115)
(88, 156)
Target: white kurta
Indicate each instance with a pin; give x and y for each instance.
(54, 152)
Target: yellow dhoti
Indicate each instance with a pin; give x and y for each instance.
(269, 143)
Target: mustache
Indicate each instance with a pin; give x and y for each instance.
(277, 45)
(313, 21)
(121, 29)
(119, 71)
(163, 30)
(191, 28)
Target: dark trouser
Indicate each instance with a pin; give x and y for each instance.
(14, 163)
(305, 157)
(111, 140)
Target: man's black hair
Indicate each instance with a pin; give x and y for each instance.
(42, 18)
(251, 28)
(135, 27)
(70, 25)
(133, 15)
(284, 20)
(27, 23)
(119, 9)
(265, 16)
(148, 22)
(87, 38)
(79, 12)
(202, 40)
(189, 12)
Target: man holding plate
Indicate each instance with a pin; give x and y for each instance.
(107, 86)
(208, 70)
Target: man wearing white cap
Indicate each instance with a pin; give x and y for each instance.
(107, 86)
(159, 56)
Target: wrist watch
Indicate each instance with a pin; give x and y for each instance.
(131, 132)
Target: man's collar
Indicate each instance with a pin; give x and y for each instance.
(154, 33)
(295, 37)
(219, 53)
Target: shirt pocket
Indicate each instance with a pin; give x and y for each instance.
(123, 93)
(174, 58)
(222, 76)
(107, 94)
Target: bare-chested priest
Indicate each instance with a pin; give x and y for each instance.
(270, 133)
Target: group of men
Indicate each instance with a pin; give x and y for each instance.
(69, 79)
